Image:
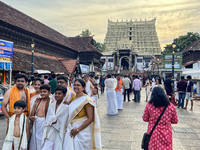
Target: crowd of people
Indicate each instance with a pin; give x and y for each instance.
(60, 112)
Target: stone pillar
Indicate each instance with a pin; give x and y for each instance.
(130, 61)
(135, 62)
(118, 59)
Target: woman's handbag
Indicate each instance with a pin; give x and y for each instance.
(146, 136)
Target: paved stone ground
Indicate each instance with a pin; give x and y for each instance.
(125, 131)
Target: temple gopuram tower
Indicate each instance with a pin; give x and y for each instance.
(130, 44)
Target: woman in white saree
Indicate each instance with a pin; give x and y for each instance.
(83, 127)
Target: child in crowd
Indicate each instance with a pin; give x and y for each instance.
(18, 129)
(56, 121)
(95, 93)
(38, 115)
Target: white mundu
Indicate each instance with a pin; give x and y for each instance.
(36, 137)
(88, 89)
(120, 98)
(67, 97)
(7, 145)
(53, 133)
(110, 85)
(88, 138)
(38, 125)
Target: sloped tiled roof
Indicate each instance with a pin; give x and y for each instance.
(22, 61)
(69, 65)
(16, 18)
(190, 62)
(83, 44)
(194, 46)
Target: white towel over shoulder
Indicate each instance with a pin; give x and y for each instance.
(55, 132)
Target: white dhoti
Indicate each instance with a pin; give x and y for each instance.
(111, 102)
(120, 98)
(36, 138)
(87, 88)
(94, 98)
(48, 145)
(16, 141)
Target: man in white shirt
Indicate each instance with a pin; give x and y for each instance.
(137, 88)
(127, 83)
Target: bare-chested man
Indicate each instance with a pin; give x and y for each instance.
(17, 92)
(120, 92)
(89, 86)
(70, 95)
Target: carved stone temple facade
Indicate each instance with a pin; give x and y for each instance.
(130, 45)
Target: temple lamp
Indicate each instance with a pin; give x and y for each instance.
(173, 47)
(32, 46)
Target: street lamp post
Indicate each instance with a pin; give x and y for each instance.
(77, 65)
(158, 66)
(173, 46)
(32, 46)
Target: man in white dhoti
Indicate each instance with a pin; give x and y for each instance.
(148, 86)
(63, 81)
(120, 92)
(56, 122)
(110, 85)
(89, 86)
(38, 115)
(83, 128)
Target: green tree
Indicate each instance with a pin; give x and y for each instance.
(85, 33)
(100, 46)
(183, 41)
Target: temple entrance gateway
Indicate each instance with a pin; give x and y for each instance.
(125, 63)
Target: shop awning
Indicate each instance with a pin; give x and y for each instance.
(42, 71)
(5, 66)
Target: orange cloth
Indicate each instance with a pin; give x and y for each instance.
(118, 85)
(32, 94)
(15, 96)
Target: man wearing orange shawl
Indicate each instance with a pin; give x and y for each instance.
(17, 92)
(120, 92)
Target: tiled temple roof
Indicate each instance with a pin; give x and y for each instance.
(16, 18)
(192, 47)
(22, 61)
(83, 44)
(69, 65)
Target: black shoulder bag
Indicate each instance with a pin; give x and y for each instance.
(146, 136)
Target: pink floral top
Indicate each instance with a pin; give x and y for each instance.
(162, 135)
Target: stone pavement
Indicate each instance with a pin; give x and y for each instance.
(125, 131)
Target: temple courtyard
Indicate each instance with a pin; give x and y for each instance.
(125, 130)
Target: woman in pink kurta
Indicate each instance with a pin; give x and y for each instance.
(161, 139)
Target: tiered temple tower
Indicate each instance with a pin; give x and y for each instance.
(134, 41)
